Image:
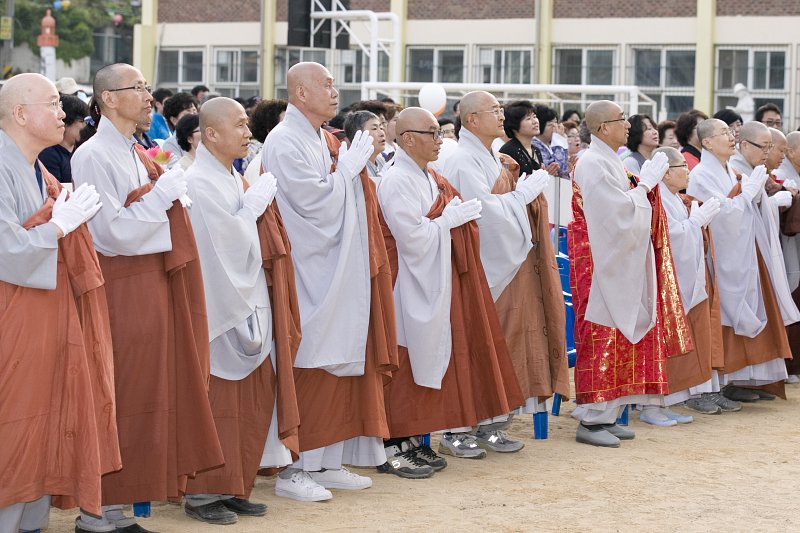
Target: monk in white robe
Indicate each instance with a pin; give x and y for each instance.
(155, 297)
(54, 441)
(754, 296)
(239, 316)
(692, 377)
(518, 258)
(329, 217)
(789, 177)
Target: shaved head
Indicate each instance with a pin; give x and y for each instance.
(673, 155)
(475, 101)
(413, 118)
(304, 75)
(777, 135)
(706, 128)
(108, 78)
(599, 112)
(218, 110)
(752, 130)
(20, 89)
(793, 140)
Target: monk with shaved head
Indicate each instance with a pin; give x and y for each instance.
(155, 296)
(57, 396)
(518, 259)
(243, 350)
(621, 284)
(454, 364)
(329, 207)
(755, 299)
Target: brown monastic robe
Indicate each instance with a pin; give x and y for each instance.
(480, 381)
(531, 308)
(161, 365)
(61, 434)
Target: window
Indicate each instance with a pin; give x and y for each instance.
(666, 75)
(285, 58)
(444, 65)
(584, 66)
(764, 71)
(503, 65)
(181, 69)
(236, 72)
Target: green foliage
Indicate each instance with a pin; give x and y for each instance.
(74, 25)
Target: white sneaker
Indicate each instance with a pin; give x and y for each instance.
(792, 379)
(341, 479)
(301, 487)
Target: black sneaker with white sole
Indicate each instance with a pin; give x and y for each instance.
(407, 465)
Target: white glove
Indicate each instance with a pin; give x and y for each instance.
(753, 184)
(782, 198)
(653, 171)
(457, 212)
(701, 215)
(351, 160)
(82, 205)
(790, 184)
(259, 195)
(170, 186)
(532, 186)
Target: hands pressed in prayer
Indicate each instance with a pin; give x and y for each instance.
(753, 184)
(457, 213)
(782, 198)
(354, 158)
(70, 213)
(703, 214)
(653, 171)
(532, 186)
(259, 195)
(171, 186)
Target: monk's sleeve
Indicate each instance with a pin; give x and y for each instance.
(29, 257)
(506, 237)
(318, 197)
(141, 228)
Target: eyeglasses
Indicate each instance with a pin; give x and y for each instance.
(727, 132)
(764, 148)
(139, 88)
(498, 111)
(685, 165)
(55, 105)
(435, 134)
(624, 118)
(773, 123)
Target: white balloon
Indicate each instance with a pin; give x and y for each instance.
(433, 98)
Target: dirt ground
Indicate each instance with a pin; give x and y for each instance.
(731, 472)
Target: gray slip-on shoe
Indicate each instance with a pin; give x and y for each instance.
(596, 436)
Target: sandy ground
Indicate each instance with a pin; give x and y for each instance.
(731, 472)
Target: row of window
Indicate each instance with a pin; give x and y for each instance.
(665, 73)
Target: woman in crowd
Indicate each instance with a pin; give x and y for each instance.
(366, 120)
(642, 140)
(56, 159)
(521, 125)
(551, 144)
(666, 135)
(187, 132)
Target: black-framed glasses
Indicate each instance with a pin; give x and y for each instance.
(685, 165)
(623, 119)
(139, 88)
(55, 105)
(763, 147)
(435, 134)
(773, 123)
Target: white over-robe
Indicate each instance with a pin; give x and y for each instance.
(326, 220)
(423, 289)
(29, 258)
(738, 228)
(237, 299)
(790, 244)
(109, 162)
(623, 291)
(686, 242)
(505, 230)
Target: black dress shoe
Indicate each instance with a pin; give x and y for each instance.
(213, 513)
(245, 507)
(134, 528)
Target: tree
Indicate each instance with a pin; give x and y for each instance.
(75, 25)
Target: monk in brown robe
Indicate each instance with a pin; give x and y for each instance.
(157, 306)
(57, 414)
